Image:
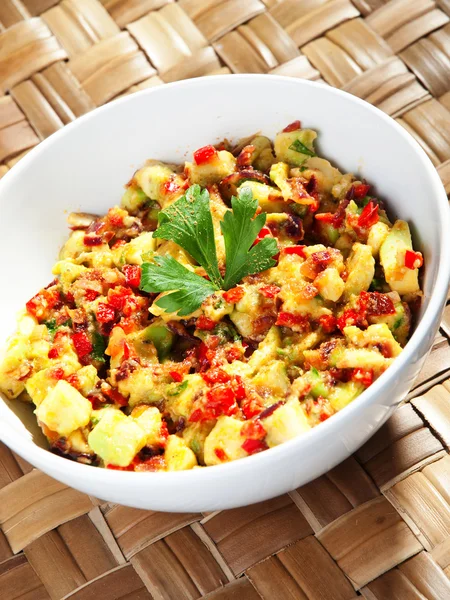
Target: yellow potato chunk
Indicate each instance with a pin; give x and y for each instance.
(150, 420)
(64, 409)
(225, 437)
(178, 456)
(392, 258)
(377, 235)
(330, 284)
(285, 423)
(212, 171)
(360, 268)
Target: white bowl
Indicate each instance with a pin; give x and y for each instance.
(85, 165)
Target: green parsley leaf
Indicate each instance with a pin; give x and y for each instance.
(98, 347)
(240, 230)
(188, 222)
(298, 146)
(176, 390)
(187, 290)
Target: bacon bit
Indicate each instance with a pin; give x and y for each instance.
(269, 291)
(376, 304)
(234, 295)
(204, 155)
(117, 296)
(92, 239)
(364, 376)
(308, 291)
(73, 380)
(328, 323)
(118, 244)
(270, 410)
(298, 250)
(132, 275)
(286, 319)
(105, 313)
(251, 405)
(53, 352)
(214, 376)
(233, 354)
(245, 156)
(413, 260)
(221, 455)
(254, 446)
(292, 126)
(115, 396)
(205, 323)
(176, 376)
(253, 430)
(369, 216)
(115, 219)
(90, 295)
(82, 343)
(361, 190)
(239, 388)
(57, 373)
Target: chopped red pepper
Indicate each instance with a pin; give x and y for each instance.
(216, 376)
(118, 244)
(117, 296)
(413, 260)
(53, 352)
(233, 354)
(234, 295)
(239, 388)
(116, 219)
(251, 406)
(292, 126)
(82, 343)
(105, 313)
(220, 454)
(90, 295)
(205, 323)
(369, 215)
(376, 304)
(176, 376)
(254, 446)
(132, 275)
(57, 373)
(350, 317)
(328, 323)
(264, 232)
(253, 430)
(92, 239)
(116, 397)
(298, 250)
(364, 376)
(361, 190)
(170, 186)
(326, 217)
(286, 319)
(221, 400)
(269, 291)
(204, 155)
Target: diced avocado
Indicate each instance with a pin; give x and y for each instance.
(399, 323)
(286, 422)
(269, 198)
(353, 358)
(116, 439)
(133, 199)
(360, 270)
(328, 232)
(392, 258)
(178, 455)
(162, 338)
(151, 179)
(64, 409)
(319, 387)
(213, 171)
(224, 438)
(295, 147)
(343, 393)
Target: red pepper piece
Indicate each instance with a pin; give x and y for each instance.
(204, 154)
(82, 343)
(132, 275)
(116, 397)
(57, 373)
(90, 295)
(233, 354)
(269, 291)
(239, 388)
(118, 244)
(254, 446)
(253, 430)
(214, 376)
(92, 239)
(205, 323)
(234, 295)
(413, 260)
(117, 296)
(105, 313)
(326, 217)
(364, 376)
(361, 190)
(350, 317)
(286, 319)
(221, 401)
(328, 323)
(115, 219)
(292, 126)
(369, 215)
(298, 250)
(176, 376)
(221, 455)
(53, 352)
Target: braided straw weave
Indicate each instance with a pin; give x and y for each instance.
(376, 526)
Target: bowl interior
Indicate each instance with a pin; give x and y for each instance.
(85, 166)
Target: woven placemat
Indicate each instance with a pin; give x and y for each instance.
(376, 526)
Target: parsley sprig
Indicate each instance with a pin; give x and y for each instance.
(188, 223)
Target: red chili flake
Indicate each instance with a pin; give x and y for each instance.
(116, 397)
(82, 343)
(132, 275)
(214, 376)
(90, 295)
(204, 155)
(328, 323)
(369, 215)
(116, 219)
(286, 319)
(350, 317)
(53, 352)
(254, 446)
(269, 291)
(292, 126)
(220, 454)
(234, 295)
(270, 410)
(57, 373)
(253, 430)
(205, 323)
(117, 296)
(298, 250)
(364, 376)
(361, 190)
(118, 244)
(105, 313)
(176, 376)
(91, 239)
(413, 260)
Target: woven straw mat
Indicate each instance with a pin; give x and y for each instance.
(378, 525)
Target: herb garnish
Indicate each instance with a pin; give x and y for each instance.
(298, 146)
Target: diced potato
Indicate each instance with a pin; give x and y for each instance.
(267, 350)
(87, 379)
(195, 435)
(330, 284)
(212, 171)
(392, 258)
(74, 245)
(216, 308)
(285, 139)
(263, 156)
(269, 198)
(178, 456)
(132, 252)
(325, 174)
(14, 366)
(68, 271)
(39, 385)
(151, 179)
(64, 409)
(353, 358)
(179, 403)
(245, 311)
(286, 422)
(150, 420)
(360, 270)
(344, 393)
(377, 235)
(116, 438)
(77, 442)
(372, 336)
(272, 377)
(225, 437)
(139, 387)
(279, 172)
